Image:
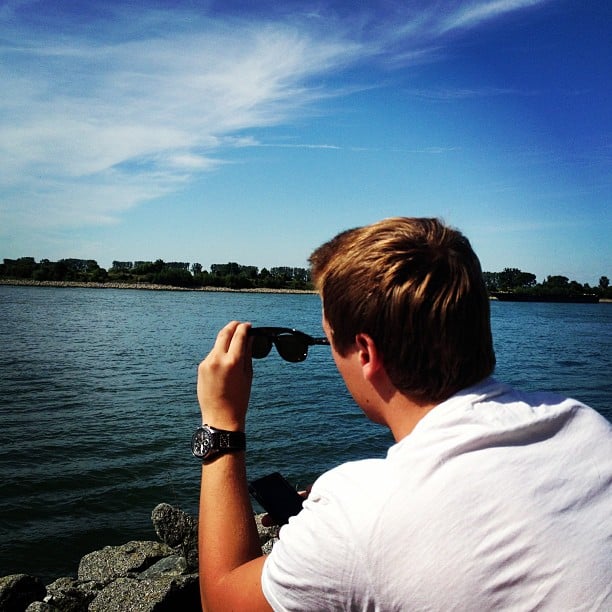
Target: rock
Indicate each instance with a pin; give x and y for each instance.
(173, 526)
(41, 606)
(178, 530)
(135, 577)
(265, 533)
(168, 566)
(70, 595)
(266, 547)
(166, 594)
(115, 561)
(17, 591)
(268, 536)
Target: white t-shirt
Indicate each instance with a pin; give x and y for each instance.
(498, 500)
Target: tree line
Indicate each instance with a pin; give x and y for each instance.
(516, 281)
(236, 276)
(174, 273)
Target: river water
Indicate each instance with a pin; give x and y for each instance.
(97, 404)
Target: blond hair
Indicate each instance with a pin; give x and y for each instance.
(415, 286)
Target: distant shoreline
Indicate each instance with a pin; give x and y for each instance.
(142, 286)
(154, 287)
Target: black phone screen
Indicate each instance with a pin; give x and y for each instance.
(276, 496)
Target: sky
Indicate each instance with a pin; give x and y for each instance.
(215, 131)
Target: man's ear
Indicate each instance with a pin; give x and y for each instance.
(370, 358)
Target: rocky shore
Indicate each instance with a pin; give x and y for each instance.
(143, 286)
(140, 576)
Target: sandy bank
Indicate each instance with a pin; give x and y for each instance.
(140, 286)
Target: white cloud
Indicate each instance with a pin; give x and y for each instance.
(281, 145)
(476, 12)
(189, 162)
(140, 115)
(467, 93)
(98, 120)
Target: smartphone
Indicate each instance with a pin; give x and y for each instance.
(276, 496)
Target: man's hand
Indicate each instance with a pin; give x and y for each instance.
(225, 377)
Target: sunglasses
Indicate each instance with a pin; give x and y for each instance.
(291, 344)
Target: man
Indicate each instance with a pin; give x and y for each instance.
(490, 498)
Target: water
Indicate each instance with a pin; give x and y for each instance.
(97, 404)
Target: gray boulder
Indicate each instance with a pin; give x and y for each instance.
(135, 577)
(268, 536)
(17, 591)
(116, 561)
(164, 594)
(178, 530)
(174, 565)
(68, 595)
(41, 606)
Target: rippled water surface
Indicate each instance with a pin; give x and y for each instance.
(97, 404)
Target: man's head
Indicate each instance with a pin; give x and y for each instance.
(415, 287)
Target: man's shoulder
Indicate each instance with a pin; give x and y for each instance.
(349, 497)
(495, 403)
(353, 478)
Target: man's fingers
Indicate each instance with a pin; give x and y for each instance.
(225, 336)
(240, 337)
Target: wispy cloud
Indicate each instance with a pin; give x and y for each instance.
(146, 111)
(472, 14)
(465, 93)
(101, 115)
(280, 145)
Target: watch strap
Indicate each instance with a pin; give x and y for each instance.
(229, 440)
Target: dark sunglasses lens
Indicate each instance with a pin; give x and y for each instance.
(261, 346)
(291, 348)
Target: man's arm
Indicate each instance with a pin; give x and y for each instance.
(230, 554)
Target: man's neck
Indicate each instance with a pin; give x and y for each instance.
(402, 415)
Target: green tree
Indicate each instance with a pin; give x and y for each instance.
(121, 266)
(141, 268)
(19, 268)
(556, 282)
(202, 279)
(491, 280)
(513, 278)
(99, 275)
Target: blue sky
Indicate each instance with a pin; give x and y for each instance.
(208, 132)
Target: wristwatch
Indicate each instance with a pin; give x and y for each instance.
(207, 443)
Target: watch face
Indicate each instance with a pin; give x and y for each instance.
(201, 443)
